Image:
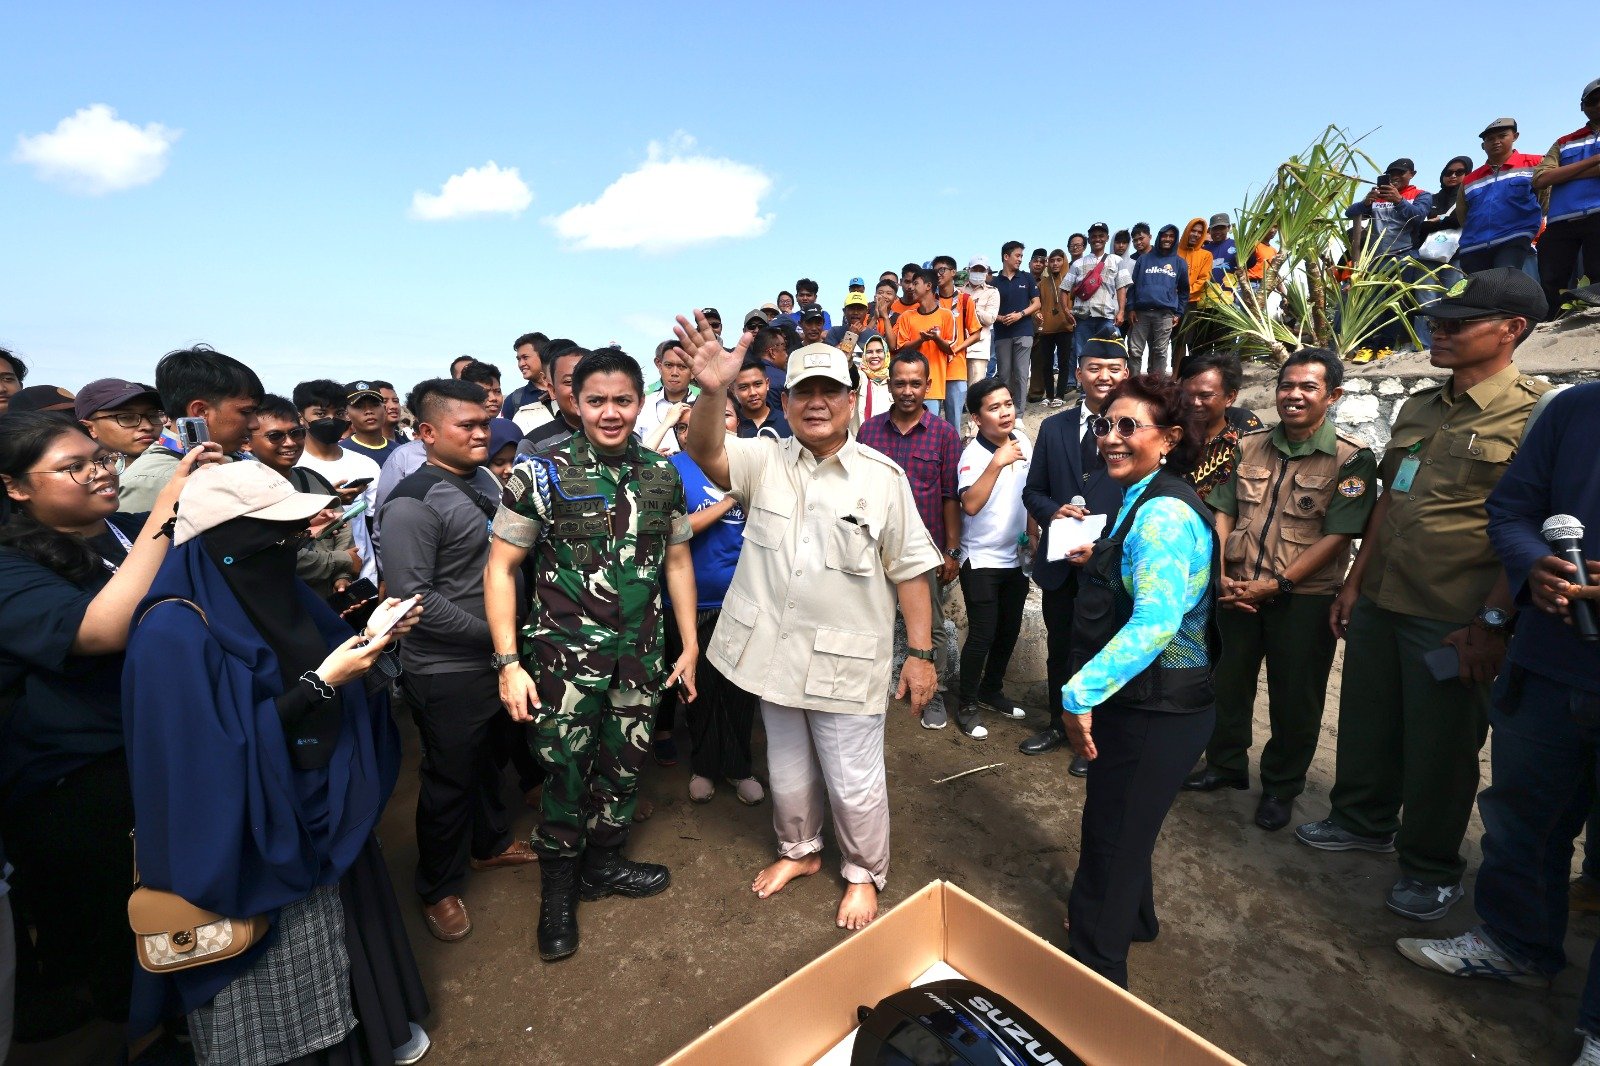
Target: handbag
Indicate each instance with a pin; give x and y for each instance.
(172, 934)
(1089, 284)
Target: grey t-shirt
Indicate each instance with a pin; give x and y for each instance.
(436, 542)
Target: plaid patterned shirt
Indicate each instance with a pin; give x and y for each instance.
(929, 454)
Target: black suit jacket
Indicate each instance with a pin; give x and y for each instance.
(1055, 476)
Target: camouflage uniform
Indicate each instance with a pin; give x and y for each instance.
(598, 533)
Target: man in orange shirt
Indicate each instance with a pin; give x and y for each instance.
(906, 301)
(929, 329)
(965, 316)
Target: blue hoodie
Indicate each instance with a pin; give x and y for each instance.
(1160, 280)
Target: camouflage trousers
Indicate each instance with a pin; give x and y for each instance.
(592, 743)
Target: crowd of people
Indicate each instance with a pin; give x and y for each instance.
(213, 594)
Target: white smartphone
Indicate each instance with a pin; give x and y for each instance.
(388, 615)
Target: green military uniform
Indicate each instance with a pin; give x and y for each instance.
(1406, 740)
(598, 528)
(1286, 495)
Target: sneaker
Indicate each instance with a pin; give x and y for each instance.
(1472, 954)
(1001, 704)
(1583, 895)
(1362, 356)
(1329, 837)
(1590, 1055)
(1420, 901)
(665, 750)
(933, 715)
(701, 789)
(967, 721)
(412, 1050)
(749, 791)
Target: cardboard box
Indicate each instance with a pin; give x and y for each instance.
(797, 1021)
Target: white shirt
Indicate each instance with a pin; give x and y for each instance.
(652, 412)
(348, 467)
(1103, 304)
(986, 301)
(990, 537)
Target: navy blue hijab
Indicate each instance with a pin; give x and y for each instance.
(223, 818)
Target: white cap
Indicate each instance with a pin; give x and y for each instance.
(818, 360)
(978, 261)
(218, 494)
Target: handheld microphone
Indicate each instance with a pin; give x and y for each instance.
(1078, 501)
(1564, 534)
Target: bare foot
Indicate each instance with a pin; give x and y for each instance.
(859, 906)
(780, 873)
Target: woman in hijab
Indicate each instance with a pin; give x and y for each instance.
(1441, 216)
(259, 768)
(72, 570)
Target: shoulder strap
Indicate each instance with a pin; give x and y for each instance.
(308, 480)
(177, 599)
(478, 499)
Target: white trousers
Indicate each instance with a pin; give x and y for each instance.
(813, 753)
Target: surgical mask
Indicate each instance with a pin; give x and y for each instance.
(328, 430)
(977, 277)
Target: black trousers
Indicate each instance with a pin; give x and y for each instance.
(722, 716)
(1056, 606)
(1558, 256)
(995, 597)
(459, 812)
(1143, 757)
(1048, 350)
(74, 871)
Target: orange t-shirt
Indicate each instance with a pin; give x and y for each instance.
(912, 324)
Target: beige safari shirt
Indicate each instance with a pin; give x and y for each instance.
(809, 618)
(1432, 556)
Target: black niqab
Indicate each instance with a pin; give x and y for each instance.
(257, 559)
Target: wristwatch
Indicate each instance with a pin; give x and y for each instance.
(1493, 619)
(500, 662)
(1285, 586)
(957, 553)
(925, 654)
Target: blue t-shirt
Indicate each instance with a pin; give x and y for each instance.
(1224, 257)
(716, 549)
(377, 455)
(1015, 295)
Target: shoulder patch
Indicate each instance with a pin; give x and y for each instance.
(1255, 431)
(1352, 487)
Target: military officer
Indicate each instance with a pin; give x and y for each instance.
(1286, 516)
(1425, 581)
(606, 523)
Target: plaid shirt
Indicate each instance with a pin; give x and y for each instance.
(929, 454)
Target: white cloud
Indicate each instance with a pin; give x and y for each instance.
(672, 200)
(485, 190)
(93, 152)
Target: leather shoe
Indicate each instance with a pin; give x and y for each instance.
(1273, 812)
(448, 919)
(1079, 767)
(1047, 739)
(606, 872)
(517, 853)
(1208, 780)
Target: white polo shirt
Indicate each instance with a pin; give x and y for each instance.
(990, 536)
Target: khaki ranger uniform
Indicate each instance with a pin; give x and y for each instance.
(1406, 740)
(1285, 496)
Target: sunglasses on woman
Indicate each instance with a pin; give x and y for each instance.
(1455, 173)
(1101, 426)
(275, 436)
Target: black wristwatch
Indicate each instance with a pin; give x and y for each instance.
(1285, 586)
(500, 662)
(1493, 619)
(925, 654)
(957, 553)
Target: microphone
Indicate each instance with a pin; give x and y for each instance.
(1564, 534)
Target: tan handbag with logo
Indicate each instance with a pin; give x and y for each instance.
(172, 934)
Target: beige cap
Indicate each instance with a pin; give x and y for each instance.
(218, 494)
(818, 361)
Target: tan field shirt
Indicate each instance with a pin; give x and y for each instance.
(1432, 557)
(809, 618)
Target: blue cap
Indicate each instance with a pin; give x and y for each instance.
(858, 281)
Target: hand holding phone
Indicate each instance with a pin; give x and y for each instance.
(386, 616)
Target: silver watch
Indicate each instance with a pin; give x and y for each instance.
(500, 662)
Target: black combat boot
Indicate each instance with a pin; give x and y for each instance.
(558, 908)
(606, 872)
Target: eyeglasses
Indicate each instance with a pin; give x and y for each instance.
(275, 436)
(1449, 327)
(1101, 426)
(133, 419)
(84, 471)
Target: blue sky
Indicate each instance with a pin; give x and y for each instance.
(257, 185)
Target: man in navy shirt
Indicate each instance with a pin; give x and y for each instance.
(1224, 252)
(1013, 329)
(1545, 739)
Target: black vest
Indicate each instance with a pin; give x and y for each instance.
(1104, 606)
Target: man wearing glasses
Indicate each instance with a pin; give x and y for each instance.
(124, 416)
(1427, 580)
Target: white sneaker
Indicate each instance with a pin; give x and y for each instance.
(1470, 955)
(1590, 1055)
(413, 1049)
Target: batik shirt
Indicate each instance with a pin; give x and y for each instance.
(1166, 568)
(1221, 453)
(598, 528)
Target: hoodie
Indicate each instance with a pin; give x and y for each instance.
(1198, 259)
(1160, 282)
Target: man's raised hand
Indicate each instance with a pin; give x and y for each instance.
(713, 368)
